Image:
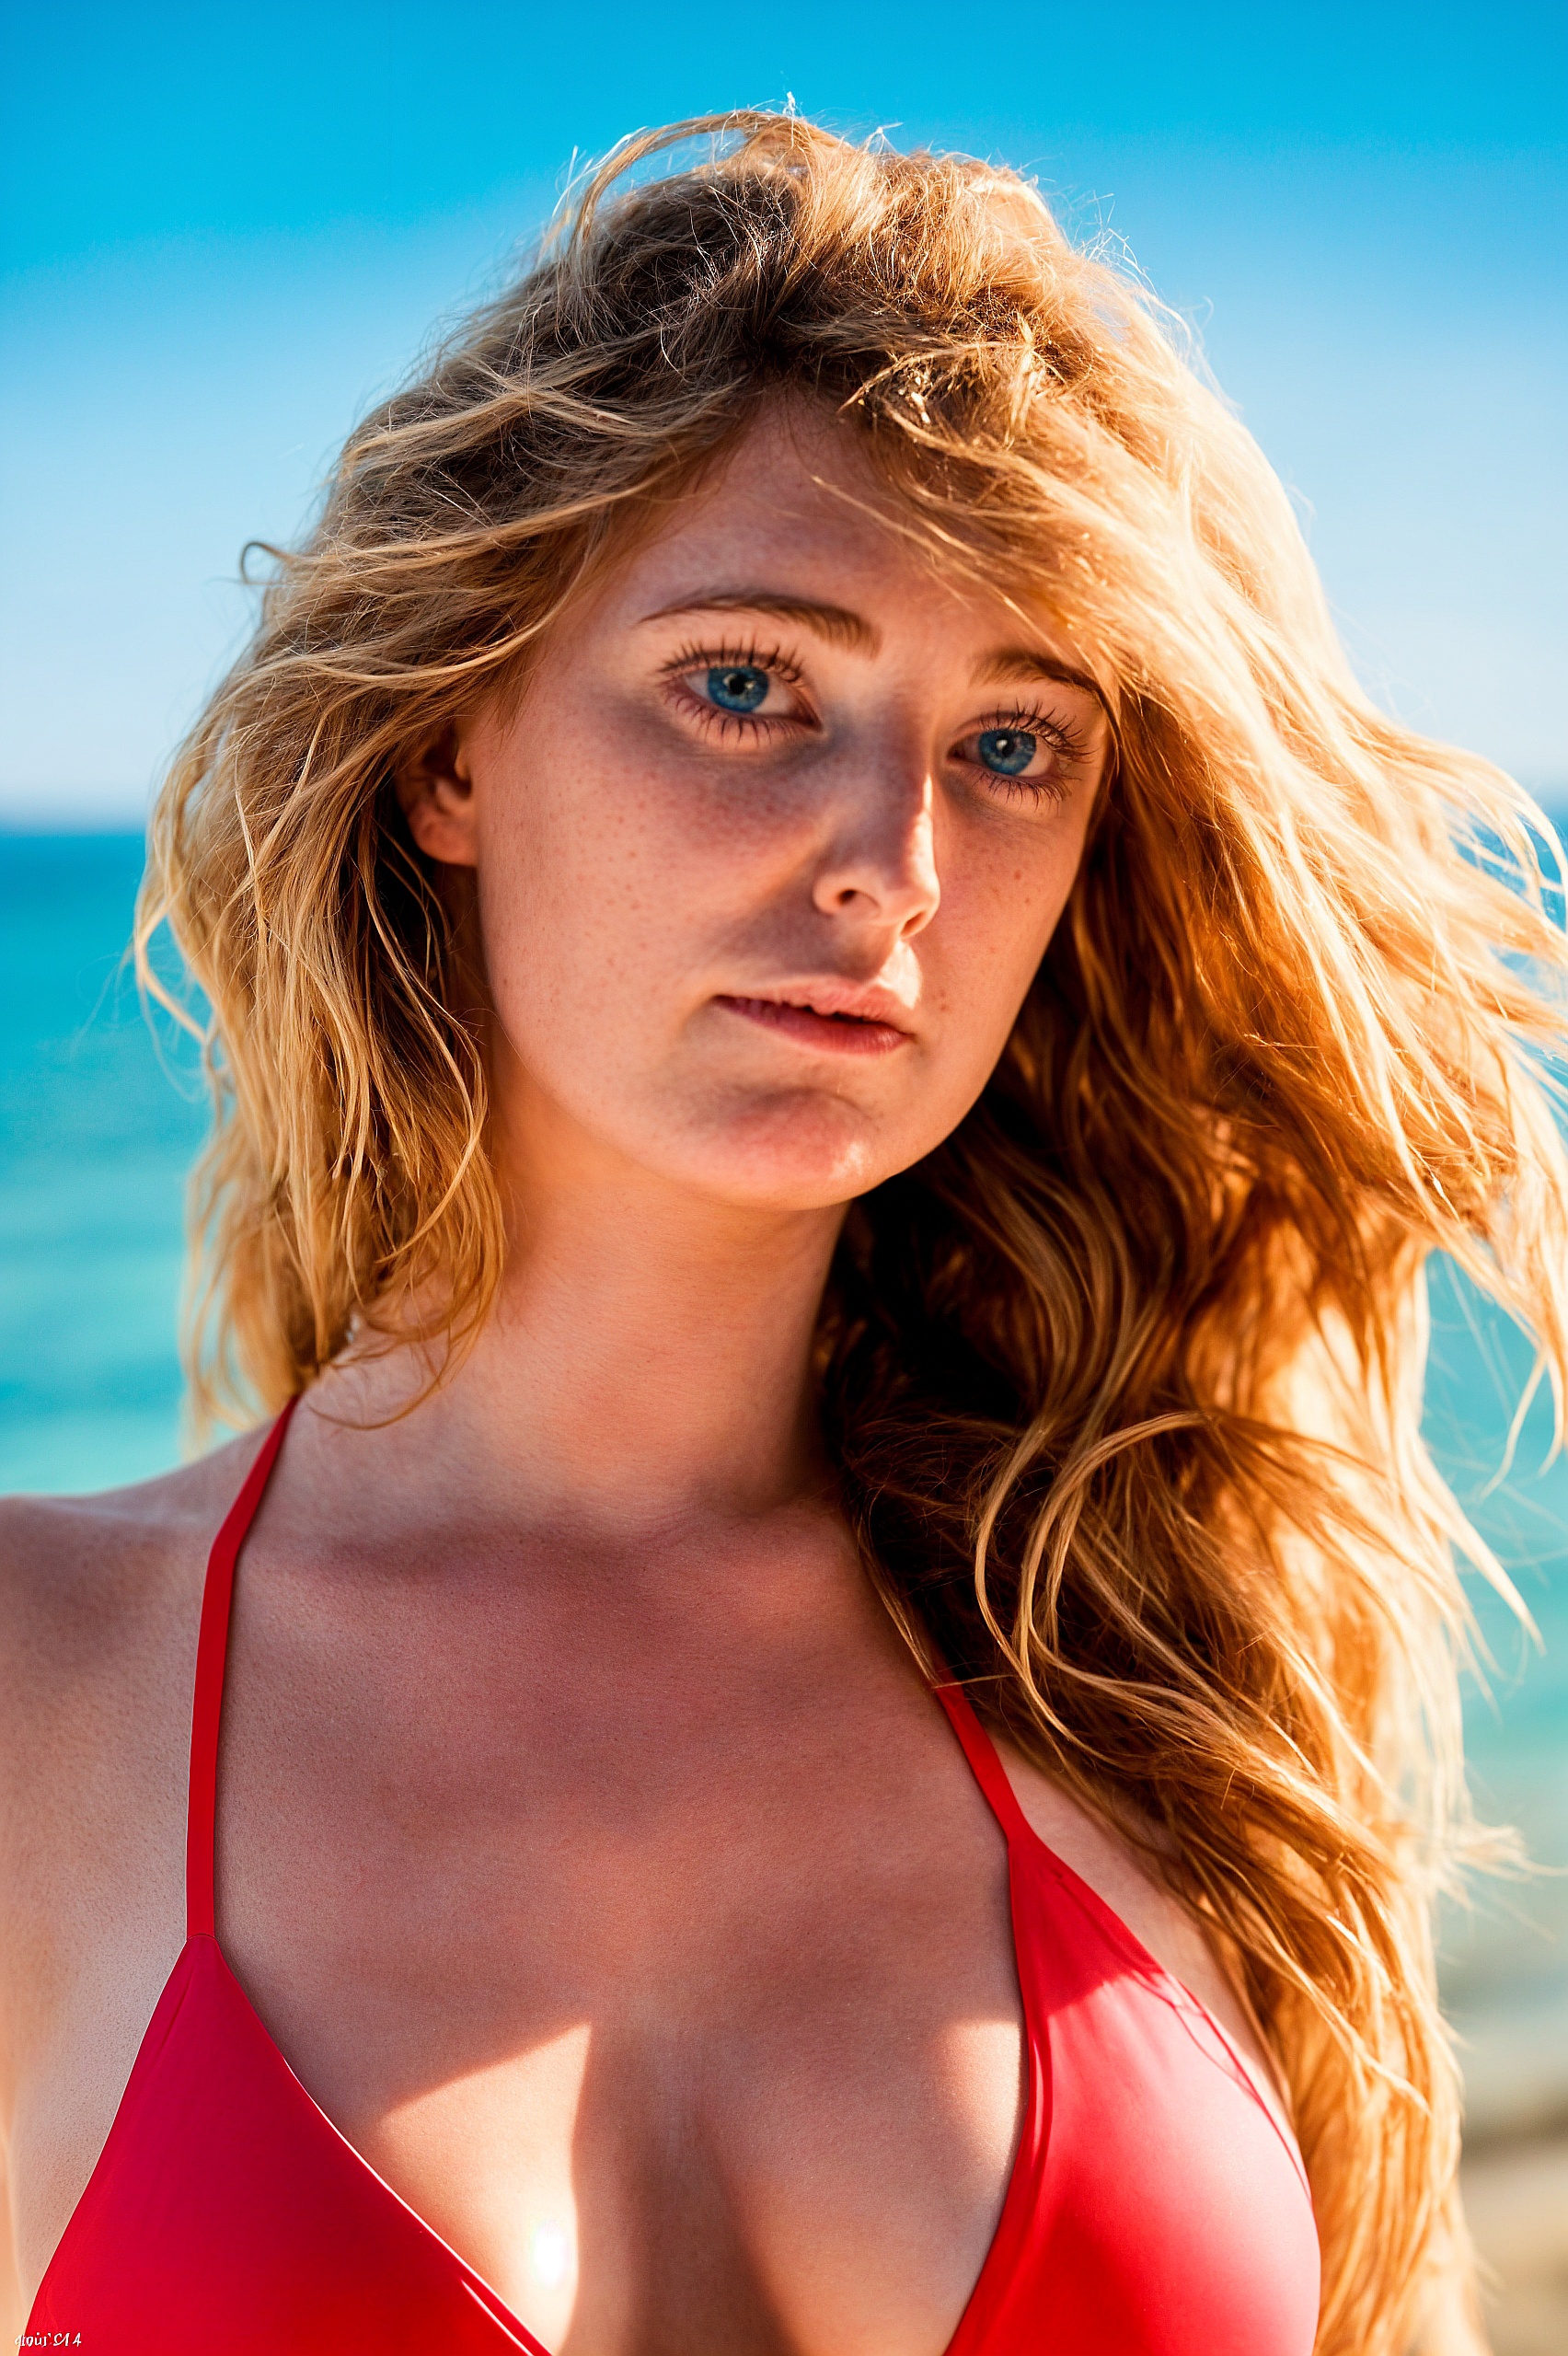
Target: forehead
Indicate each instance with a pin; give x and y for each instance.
(795, 505)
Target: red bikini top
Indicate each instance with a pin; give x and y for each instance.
(1155, 2208)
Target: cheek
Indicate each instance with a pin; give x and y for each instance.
(564, 894)
(606, 875)
(1002, 898)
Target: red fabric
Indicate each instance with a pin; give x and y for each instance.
(1154, 2209)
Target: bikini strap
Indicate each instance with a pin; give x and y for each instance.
(206, 1714)
(988, 1770)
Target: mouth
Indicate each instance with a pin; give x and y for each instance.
(860, 1027)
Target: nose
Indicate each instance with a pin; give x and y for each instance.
(880, 861)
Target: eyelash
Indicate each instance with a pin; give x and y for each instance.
(773, 661)
(1058, 734)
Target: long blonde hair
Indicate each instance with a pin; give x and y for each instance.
(1125, 1381)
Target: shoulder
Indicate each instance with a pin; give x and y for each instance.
(99, 1598)
(77, 1572)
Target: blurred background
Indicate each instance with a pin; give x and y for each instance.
(226, 231)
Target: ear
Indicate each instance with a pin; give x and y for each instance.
(436, 789)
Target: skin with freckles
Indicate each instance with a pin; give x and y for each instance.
(588, 1841)
(666, 884)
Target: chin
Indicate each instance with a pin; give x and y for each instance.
(802, 1152)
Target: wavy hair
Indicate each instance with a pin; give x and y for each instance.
(1124, 1382)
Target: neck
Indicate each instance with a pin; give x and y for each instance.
(646, 1359)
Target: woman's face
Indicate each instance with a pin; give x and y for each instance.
(771, 848)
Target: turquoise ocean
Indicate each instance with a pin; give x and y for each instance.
(101, 1115)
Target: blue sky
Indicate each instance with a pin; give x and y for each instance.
(225, 232)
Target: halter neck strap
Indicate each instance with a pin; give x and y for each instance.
(987, 1767)
(211, 1652)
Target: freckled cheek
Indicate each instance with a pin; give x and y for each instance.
(604, 875)
(637, 786)
(999, 907)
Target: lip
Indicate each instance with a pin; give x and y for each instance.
(830, 1017)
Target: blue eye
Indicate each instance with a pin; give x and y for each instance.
(1007, 751)
(737, 687)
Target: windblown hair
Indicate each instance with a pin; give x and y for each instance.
(1123, 1381)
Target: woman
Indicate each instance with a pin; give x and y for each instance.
(839, 1041)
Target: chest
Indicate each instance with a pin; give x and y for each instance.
(671, 1983)
(678, 1992)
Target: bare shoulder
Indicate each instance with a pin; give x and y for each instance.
(1131, 1886)
(100, 1599)
(78, 1573)
(99, 1602)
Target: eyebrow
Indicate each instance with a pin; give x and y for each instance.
(840, 627)
(835, 623)
(1023, 662)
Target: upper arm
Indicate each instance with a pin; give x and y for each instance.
(41, 1545)
(97, 1607)
(12, 2316)
(31, 1684)
(100, 1599)
(93, 1613)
